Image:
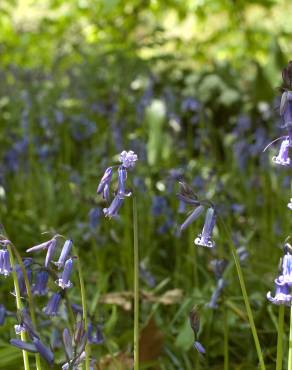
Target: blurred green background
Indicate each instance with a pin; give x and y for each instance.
(192, 87)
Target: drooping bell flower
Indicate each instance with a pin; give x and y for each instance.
(5, 267)
(103, 186)
(282, 294)
(40, 288)
(205, 238)
(64, 253)
(283, 157)
(52, 306)
(64, 282)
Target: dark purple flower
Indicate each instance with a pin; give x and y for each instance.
(5, 267)
(103, 186)
(64, 282)
(282, 295)
(21, 282)
(64, 253)
(40, 287)
(95, 335)
(287, 269)
(205, 238)
(44, 351)
(52, 306)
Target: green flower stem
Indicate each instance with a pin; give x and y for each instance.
(226, 338)
(19, 305)
(245, 298)
(136, 285)
(84, 308)
(29, 297)
(290, 343)
(280, 338)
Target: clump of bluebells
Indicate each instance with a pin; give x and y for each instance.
(38, 276)
(128, 161)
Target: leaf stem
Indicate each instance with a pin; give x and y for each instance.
(280, 338)
(245, 297)
(19, 305)
(136, 285)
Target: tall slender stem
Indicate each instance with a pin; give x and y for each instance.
(19, 305)
(280, 338)
(136, 285)
(290, 343)
(226, 338)
(29, 297)
(84, 309)
(245, 298)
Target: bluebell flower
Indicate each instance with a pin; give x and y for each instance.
(44, 351)
(2, 314)
(52, 306)
(26, 346)
(40, 287)
(199, 347)
(21, 282)
(94, 217)
(122, 177)
(112, 210)
(67, 340)
(95, 335)
(286, 108)
(49, 245)
(192, 217)
(128, 159)
(64, 282)
(205, 238)
(283, 157)
(216, 294)
(282, 295)
(64, 253)
(5, 267)
(103, 186)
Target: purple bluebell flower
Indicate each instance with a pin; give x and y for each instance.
(122, 177)
(5, 267)
(286, 108)
(192, 217)
(112, 210)
(21, 282)
(64, 253)
(128, 159)
(283, 157)
(64, 282)
(282, 295)
(205, 238)
(199, 347)
(44, 351)
(287, 269)
(77, 361)
(103, 186)
(52, 306)
(50, 252)
(41, 246)
(40, 287)
(67, 340)
(94, 217)
(95, 335)
(29, 347)
(216, 294)
(2, 314)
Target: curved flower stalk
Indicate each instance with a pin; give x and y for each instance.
(128, 161)
(186, 195)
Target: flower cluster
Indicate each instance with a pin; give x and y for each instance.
(187, 196)
(283, 282)
(128, 160)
